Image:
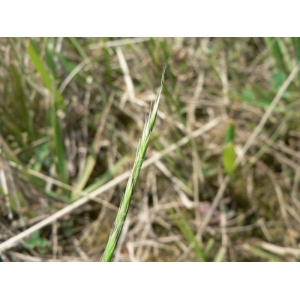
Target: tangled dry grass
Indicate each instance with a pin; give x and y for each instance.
(72, 112)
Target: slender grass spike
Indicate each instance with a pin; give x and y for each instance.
(139, 158)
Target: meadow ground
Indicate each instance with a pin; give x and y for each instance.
(220, 181)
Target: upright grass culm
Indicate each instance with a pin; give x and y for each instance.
(139, 158)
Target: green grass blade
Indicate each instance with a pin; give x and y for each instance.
(69, 66)
(276, 51)
(258, 252)
(56, 101)
(208, 246)
(296, 45)
(228, 151)
(108, 175)
(38, 64)
(50, 58)
(220, 254)
(19, 100)
(58, 140)
(140, 155)
(186, 230)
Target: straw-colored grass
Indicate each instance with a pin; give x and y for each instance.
(220, 179)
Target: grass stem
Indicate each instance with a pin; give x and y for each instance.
(139, 158)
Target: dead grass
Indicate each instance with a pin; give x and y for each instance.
(184, 200)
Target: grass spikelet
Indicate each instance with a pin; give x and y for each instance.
(140, 155)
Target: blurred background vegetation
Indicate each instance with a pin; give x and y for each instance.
(72, 112)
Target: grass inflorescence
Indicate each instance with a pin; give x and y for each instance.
(139, 158)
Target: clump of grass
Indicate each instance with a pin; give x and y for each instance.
(64, 138)
(139, 158)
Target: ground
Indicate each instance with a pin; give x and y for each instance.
(220, 180)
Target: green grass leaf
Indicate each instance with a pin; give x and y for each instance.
(20, 101)
(55, 103)
(258, 252)
(277, 80)
(228, 157)
(69, 66)
(277, 53)
(188, 233)
(50, 58)
(38, 64)
(35, 241)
